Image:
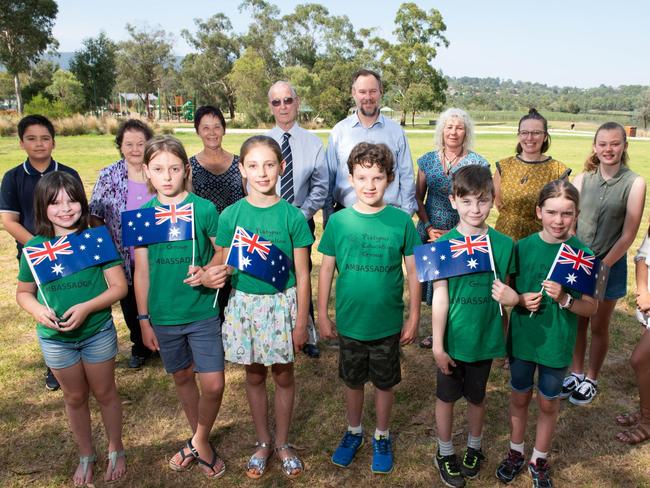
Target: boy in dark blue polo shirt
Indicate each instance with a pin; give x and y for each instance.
(36, 134)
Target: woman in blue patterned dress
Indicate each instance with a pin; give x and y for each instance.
(453, 141)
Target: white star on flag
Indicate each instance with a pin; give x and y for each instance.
(424, 258)
(82, 248)
(433, 249)
(57, 269)
(437, 272)
(571, 278)
(130, 224)
(442, 257)
(87, 235)
(96, 257)
(139, 238)
(147, 224)
(100, 240)
(174, 232)
(138, 215)
(272, 263)
(472, 263)
(245, 261)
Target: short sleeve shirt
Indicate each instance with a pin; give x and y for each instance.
(549, 336)
(172, 302)
(281, 223)
(17, 192)
(369, 249)
(474, 324)
(70, 290)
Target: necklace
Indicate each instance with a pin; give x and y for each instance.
(448, 163)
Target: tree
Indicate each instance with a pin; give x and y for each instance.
(420, 97)
(40, 77)
(25, 34)
(68, 89)
(206, 72)
(95, 67)
(644, 108)
(249, 77)
(265, 27)
(419, 34)
(143, 61)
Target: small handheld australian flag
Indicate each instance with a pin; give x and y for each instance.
(575, 269)
(454, 257)
(162, 223)
(257, 256)
(65, 255)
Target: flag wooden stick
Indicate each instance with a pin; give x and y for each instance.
(550, 272)
(494, 269)
(193, 238)
(225, 262)
(38, 282)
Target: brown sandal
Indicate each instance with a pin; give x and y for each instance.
(638, 434)
(628, 419)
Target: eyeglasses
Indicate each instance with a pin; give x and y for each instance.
(277, 102)
(534, 133)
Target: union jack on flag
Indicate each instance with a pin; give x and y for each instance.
(252, 243)
(174, 213)
(259, 257)
(469, 245)
(577, 258)
(48, 250)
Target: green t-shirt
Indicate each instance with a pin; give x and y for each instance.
(172, 302)
(281, 223)
(474, 325)
(369, 249)
(70, 290)
(549, 336)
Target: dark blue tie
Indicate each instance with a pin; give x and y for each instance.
(286, 182)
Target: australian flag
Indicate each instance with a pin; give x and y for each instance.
(65, 255)
(575, 269)
(163, 223)
(257, 256)
(455, 257)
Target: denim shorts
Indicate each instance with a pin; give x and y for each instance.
(549, 380)
(197, 343)
(617, 281)
(95, 349)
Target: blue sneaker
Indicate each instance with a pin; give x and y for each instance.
(347, 449)
(382, 455)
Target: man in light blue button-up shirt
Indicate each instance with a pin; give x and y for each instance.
(367, 124)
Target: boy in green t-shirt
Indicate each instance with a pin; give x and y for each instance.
(467, 325)
(366, 244)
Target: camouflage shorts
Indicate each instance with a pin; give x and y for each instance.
(377, 361)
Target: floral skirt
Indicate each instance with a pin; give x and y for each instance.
(257, 328)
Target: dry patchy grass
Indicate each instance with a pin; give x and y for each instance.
(37, 448)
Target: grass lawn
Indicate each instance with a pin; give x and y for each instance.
(37, 448)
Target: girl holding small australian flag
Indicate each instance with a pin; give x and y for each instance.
(266, 318)
(174, 294)
(543, 340)
(71, 303)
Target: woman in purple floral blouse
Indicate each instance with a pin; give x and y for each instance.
(119, 187)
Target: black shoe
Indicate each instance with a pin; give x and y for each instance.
(311, 350)
(450, 473)
(511, 466)
(51, 383)
(471, 464)
(136, 362)
(540, 474)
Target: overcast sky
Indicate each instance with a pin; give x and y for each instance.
(569, 43)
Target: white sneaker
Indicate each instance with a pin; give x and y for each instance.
(584, 394)
(569, 385)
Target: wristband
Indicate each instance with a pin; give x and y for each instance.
(143, 317)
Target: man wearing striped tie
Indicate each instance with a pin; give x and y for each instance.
(305, 180)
